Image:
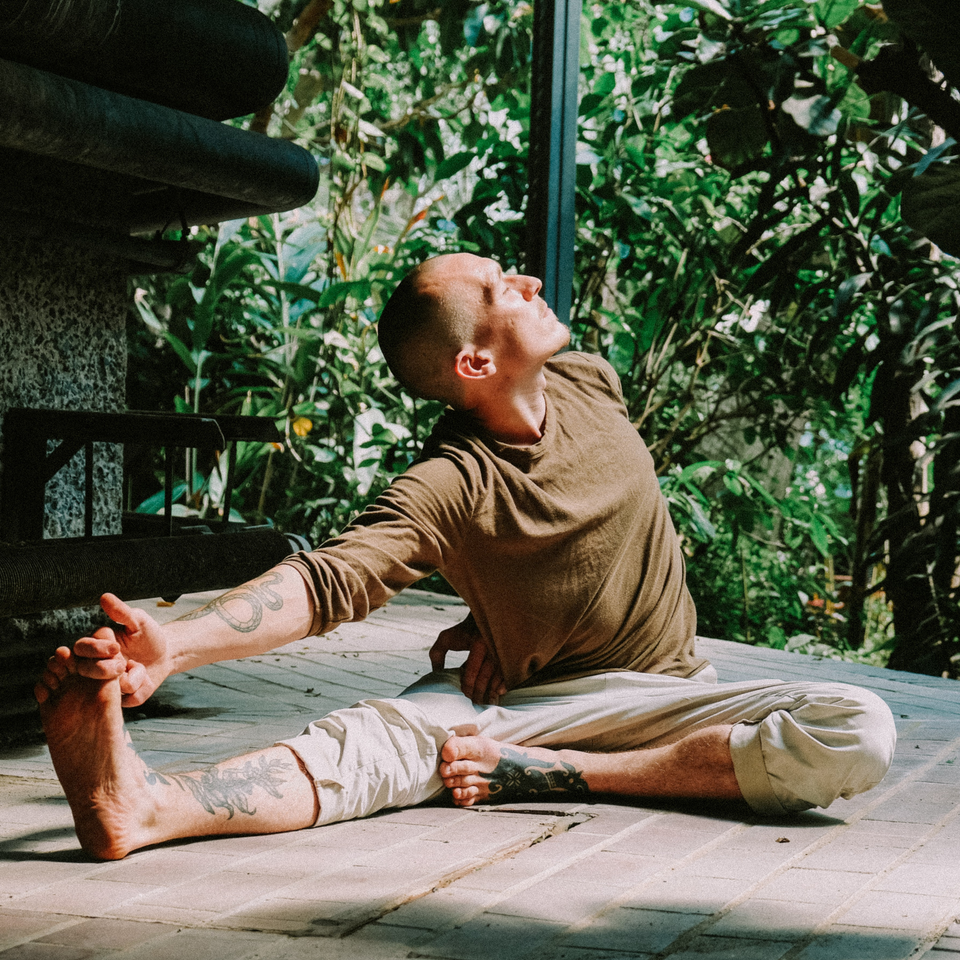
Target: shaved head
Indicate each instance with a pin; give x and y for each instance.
(427, 321)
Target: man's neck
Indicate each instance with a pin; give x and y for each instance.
(517, 415)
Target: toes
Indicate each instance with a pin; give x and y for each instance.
(465, 796)
(463, 747)
(453, 749)
(458, 768)
(58, 668)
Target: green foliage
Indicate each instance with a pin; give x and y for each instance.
(787, 344)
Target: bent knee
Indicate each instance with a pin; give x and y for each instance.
(837, 741)
(874, 739)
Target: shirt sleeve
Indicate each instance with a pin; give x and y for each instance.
(404, 535)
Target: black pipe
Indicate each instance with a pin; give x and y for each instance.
(214, 58)
(55, 117)
(58, 574)
(140, 255)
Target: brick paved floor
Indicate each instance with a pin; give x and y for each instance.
(876, 878)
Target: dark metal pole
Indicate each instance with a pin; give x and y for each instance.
(553, 145)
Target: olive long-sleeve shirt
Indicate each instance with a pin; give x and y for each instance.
(563, 550)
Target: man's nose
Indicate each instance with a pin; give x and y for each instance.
(529, 286)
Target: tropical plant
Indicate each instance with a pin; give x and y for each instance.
(787, 342)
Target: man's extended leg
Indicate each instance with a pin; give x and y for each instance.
(120, 805)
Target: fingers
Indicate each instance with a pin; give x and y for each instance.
(101, 646)
(438, 652)
(99, 657)
(122, 613)
(107, 669)
(480, 677)
(135, 685)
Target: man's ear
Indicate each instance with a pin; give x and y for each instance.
(473, 363)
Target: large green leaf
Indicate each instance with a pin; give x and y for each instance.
(930, 203)
(933, 25)
(736, 136)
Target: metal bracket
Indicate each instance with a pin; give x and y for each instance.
(28, 465)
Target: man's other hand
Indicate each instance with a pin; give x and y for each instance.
(134, 649)
(481, 678)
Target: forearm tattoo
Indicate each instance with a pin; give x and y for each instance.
(242, 608)
(519, 777)
(229, 789)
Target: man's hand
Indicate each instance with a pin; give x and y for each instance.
(136, 650)
(480, 676)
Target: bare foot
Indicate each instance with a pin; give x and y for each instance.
(480, 770)
(106, 783)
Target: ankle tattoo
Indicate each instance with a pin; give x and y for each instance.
(229, 790)
(519, 777)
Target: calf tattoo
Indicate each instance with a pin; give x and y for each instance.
(519, 777)
(229, 789)
(242, 608)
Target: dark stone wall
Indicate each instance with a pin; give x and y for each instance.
(62, 345)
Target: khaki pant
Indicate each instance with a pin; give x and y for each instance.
(794, 745)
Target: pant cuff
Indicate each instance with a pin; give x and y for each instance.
(751, 772)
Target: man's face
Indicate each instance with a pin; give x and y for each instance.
(513, 319)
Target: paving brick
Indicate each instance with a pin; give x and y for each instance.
(846, 943)
(560, 901)
(86, 897)
(609, 819)
(922, 877)
(491, 936)
(815, 886)
(732, 948)
(378, 935)
(772, 919)
(585, 953)
(919, 803)
(299, 860)
(166, 867)
(947, 771)
(45, 951)
(238, 847)
(202, 945)
(894, 833)
(429, 815)
(898, 911)
(679, 891)
(732, 865)
(615, 869)
(493, 828)
(16, 925)
(360, 882)
(670, 836)
(503, 874)
(18, 877)
(312, 916)
(441, 909)
(375, 833)
(850, 856)
(157, 913)
(216, 893)
(644, 931)
(106, 934)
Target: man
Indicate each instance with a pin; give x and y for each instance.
(538, 501)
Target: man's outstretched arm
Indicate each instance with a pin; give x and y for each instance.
(272, 610)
